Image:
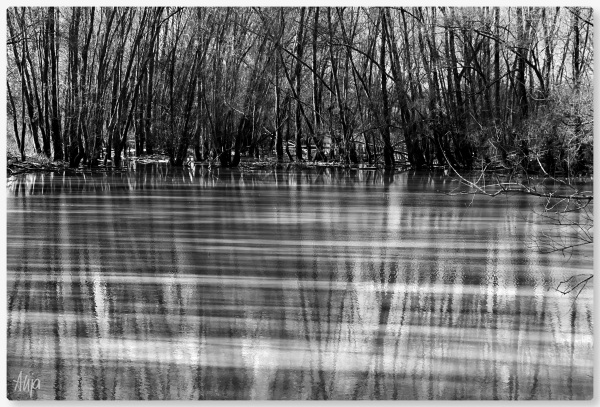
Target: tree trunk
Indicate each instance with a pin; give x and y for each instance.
(298, 74)
(388, 150)
(338, 95)
(521, 90)
(55, 116)
(20, 144)
(315, 94)
(278, 135)
(73, 150)
(25, 84)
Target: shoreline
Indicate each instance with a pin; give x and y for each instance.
(29, 166)
(15, 167)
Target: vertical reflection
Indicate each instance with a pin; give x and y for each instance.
(169, 283)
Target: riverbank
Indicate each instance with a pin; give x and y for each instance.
(42, 164)
(16, 167)
(36, 163)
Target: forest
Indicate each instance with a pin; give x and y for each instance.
(300, 203)
(410, 87)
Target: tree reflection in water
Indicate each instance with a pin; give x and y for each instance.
(168, 283)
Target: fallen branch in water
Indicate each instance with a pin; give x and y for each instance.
(572, 283)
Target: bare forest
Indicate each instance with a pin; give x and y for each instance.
(412, 87)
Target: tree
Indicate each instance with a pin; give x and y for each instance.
(435, 86)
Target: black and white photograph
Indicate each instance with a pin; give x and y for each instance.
(304, 202)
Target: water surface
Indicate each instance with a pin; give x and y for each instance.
(171, 283)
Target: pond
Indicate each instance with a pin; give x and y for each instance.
(179, 283)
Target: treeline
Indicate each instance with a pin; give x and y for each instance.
(415, 86)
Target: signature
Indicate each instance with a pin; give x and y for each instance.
(27, 384)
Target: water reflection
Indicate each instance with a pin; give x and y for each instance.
(193, 283)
